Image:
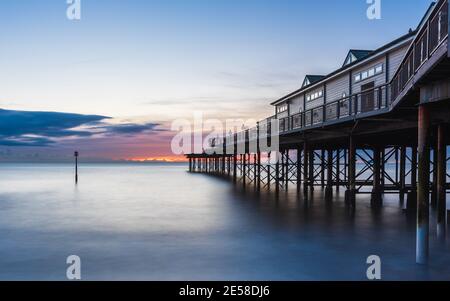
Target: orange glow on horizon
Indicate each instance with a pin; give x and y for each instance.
(172, 159)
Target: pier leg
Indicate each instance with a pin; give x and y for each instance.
(376, 200)
(434, 188)
(311, 158)
(277, 172)
(258, 166)
(441, 182)
(305, 169)
(350, 194)
(338, 169)
(322, 168)
(269, 171)
(329, 188)
(383, 168)
(423, 187)
(286, 172)
(244, 169)
(411, 203)
(299, 171)
(234, 168)
(402, 174)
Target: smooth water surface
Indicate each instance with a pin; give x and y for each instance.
(158, 222)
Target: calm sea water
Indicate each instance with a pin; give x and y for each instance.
(158, 222)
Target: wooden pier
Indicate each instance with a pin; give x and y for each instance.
(379, 124)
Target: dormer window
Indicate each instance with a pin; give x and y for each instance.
(356, 55)
(350, 59)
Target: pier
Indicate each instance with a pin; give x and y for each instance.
(377, 125)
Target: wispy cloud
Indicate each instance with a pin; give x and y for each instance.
(40, 129)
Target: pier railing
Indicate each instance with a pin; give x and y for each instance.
(431, 36)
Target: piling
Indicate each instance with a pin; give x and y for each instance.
(423, 186)
(441, 172)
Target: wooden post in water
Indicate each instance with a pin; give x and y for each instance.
(376, 199)
(435, 168)
(286, 172)
(402, 173)
(350, 194)
(441, 182)
(311, 158)
(423, 186)
(299, 171)
(269, 161)
(338, 169)
(258, 166)
(277, 172)
(329, 188)
(305, 169)
(76, 166)
(411, 202)
(322, 168)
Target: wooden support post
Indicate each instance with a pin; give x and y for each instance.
(376, 199)
(311, 158)
(350, 194)
(244, 169)
(255, 176)
(299, 168)
(411, 204)
(235, 168)
(441, 182)
(338, 169)
(269, 177)
(258, 166)
(305, 168)
(383, 168)
(434, 188)
(396, 166)
(322, 168)
(286, 172)
(402, 174)
(423, 187)
(76, 167)
(277, 172)
(329, 188)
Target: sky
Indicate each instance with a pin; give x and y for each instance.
(114, 81)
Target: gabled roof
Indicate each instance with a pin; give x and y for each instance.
(311, 79)
(343, 68)
(356, 55)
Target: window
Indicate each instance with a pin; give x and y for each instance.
(282, 108)
(369, 73)
(314, 95)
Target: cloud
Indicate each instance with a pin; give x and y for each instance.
(130, 128)
(49, 124)
(39, 129)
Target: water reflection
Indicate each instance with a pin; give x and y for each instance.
(157, 222)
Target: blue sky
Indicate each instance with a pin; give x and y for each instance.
(150, 62)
